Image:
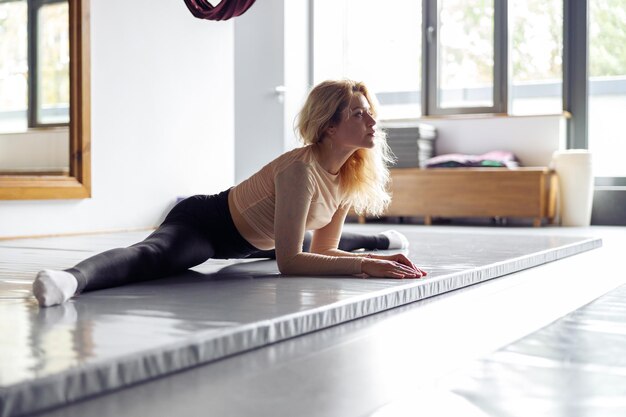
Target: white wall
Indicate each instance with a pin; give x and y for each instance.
(259, 69)
(296, 66)
(162, 119)
(271, 50)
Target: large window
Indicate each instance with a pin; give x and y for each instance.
(464, 73)
(476, 56)
(536, 57)
(607, 86)
(34, 64)
(373, 41)
(515, 57)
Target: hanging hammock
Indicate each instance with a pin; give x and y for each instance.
(227, 9)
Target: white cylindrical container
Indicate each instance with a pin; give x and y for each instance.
(573, 168)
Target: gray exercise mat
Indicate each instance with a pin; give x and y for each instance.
(112, 338)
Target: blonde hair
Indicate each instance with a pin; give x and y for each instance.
(365, 176)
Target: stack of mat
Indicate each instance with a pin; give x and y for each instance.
(412, 144)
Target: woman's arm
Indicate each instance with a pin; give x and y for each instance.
(386, 266)
(294, 192)
(326, 240)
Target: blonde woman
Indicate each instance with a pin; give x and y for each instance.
(341, 165)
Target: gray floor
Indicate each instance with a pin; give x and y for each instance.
(576, 366)
(371, 366)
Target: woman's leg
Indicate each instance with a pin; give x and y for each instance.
(170, 249)
(271, 253)
(350, 241)
(198, 228)
(389, 239)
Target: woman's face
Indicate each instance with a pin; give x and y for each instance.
(356, 128)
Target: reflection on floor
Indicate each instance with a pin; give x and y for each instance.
(117, 337)
(577, 366)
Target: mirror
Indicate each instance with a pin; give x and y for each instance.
(73, 179)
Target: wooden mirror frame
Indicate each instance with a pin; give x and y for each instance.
(78, 183)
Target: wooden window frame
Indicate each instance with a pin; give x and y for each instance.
(78, 184)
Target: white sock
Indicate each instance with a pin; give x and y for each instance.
(54, 287)
(396, 239)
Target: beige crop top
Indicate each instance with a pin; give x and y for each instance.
(292, 194)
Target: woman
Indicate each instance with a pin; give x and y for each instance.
(342, 165)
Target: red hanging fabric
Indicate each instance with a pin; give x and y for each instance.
(227, 9)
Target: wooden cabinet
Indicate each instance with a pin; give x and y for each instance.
(473, 192)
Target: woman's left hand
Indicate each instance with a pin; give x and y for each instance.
(400, 258)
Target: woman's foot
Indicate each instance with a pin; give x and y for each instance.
(54, 287)
(396, 239)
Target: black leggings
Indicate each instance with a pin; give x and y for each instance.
(349, 241)
(197, 228)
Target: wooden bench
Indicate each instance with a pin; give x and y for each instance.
(473, 192)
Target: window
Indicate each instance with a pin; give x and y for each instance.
(34, 64)
(607, 86)
(536, 57)
(476, 56)
(13, 66)
(463, 75)
(372, 41)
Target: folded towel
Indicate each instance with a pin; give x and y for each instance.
(493, 159)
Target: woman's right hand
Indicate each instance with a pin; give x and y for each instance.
(388, 269)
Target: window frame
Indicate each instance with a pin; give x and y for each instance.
(33, 63)
(78, 184)
(576, 72)
(430, 33)
(32, 23)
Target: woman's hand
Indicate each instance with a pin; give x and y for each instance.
(391, 266)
